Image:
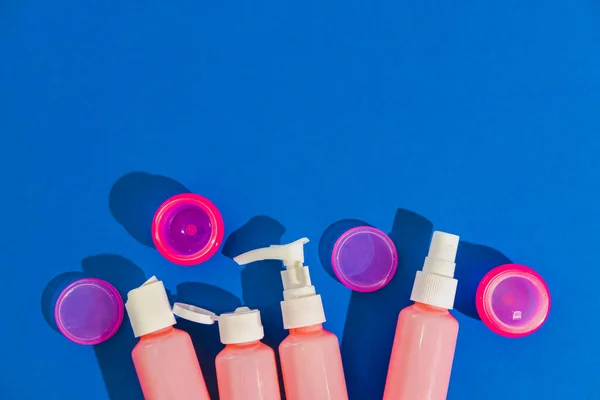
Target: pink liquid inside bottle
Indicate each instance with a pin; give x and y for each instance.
(311, 363)
(247, 371)
(167, 366)
(164, 358)
(423, 351)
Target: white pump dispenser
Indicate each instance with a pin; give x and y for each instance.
(435, 284)
(301, 305)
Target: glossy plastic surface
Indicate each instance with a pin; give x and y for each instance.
(89, 311)
(422, 355)
(167, 367)
(247, 372)
(364, 259)
(311, 364)
(513, 300)
(187, 229)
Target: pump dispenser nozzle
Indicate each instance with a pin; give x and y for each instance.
(301, 306)
(435, 284)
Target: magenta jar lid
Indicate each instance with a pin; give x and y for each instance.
(364, 259)
(513, 300)
(89, 311)
(187, 229)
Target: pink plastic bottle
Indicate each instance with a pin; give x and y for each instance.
(426, 333)
(311, 361)
(311, 364)
(164, 358)
(246, 367)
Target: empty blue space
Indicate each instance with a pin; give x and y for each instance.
(301, 119)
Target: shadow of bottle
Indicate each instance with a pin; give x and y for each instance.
(372, 317)
(114, 355)
(473, 261)
(134, 199)
(330, 236)
(261, 281)
(206, 338)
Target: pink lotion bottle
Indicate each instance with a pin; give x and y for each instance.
(426, 333)
(246, 367)
(311, 361)
(164, 358)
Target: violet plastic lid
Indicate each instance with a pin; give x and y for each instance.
(89, 311)
(187, 229)
(364, 259)
(513, 300)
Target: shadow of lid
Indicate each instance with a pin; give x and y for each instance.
(135, 197)
(330, 236)
(473, 261)
(51, 292)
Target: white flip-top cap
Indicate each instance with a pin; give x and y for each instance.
(241, 326)
(301, 305)
(148, 308)
(435, 284)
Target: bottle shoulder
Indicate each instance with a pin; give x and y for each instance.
(295, 338)
(427, 313)
(237, 352)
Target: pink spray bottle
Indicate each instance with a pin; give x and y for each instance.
(311, 361)
(164, 359)
(246, 367)
(426, 333)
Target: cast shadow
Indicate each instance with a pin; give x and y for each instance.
(261, 281)
(473, 261)
(372, 317)
(330, 236)
(134, 199)
(206, 338)
(114, 355)
(51, 292)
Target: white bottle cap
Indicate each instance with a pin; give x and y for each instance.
(148, 308)
(301, 305)
(435, 284)
(241, 326)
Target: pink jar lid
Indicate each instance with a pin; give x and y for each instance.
(513, 300)
(187, 229)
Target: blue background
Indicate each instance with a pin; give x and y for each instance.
(297, 119)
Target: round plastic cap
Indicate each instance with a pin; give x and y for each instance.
(89, 311)
(187, 229)
(364, 259)
(513, 300)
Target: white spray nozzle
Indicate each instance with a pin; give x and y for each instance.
(442, 254)
(435, 284)
(241, 326)
(292, 254)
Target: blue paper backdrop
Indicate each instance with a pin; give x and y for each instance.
(300, 119)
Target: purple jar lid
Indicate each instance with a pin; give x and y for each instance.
(364, 259)
(89, 311)
(513, 300)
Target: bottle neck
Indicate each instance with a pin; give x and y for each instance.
(161, 332)
(306, 329)
(429, 308)
(247, 345)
